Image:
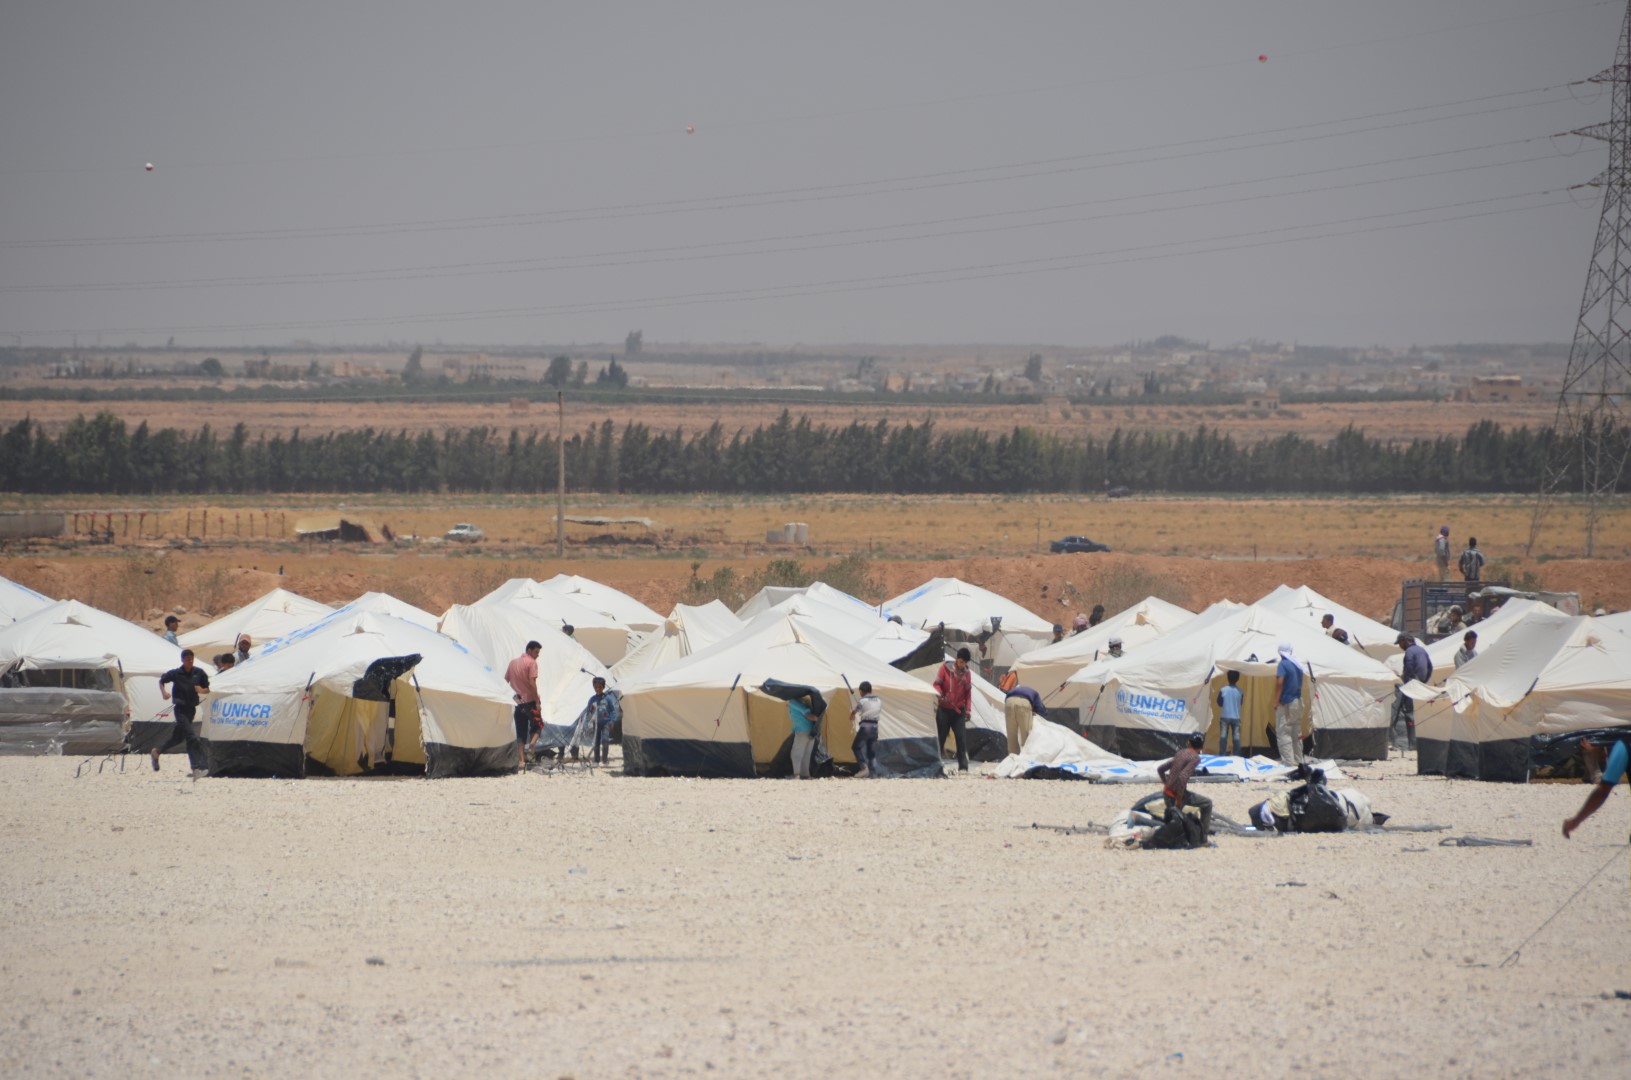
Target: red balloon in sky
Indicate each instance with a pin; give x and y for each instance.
(1262, 58)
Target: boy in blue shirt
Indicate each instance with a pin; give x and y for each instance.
(1229, 699)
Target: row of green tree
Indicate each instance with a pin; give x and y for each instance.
(102, 454)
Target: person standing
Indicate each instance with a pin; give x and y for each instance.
(1019, 706)
(1417, 666)
(188, 683)
(606, 711)
(1288, 707)
(1472, 561)
(522, 675)
(171, 623)
(1441, 552)
(1229, 702)
(801, 712)
(244, 645)
(953, 688)
(1468, 650)
(1175, 774)
(865, 715)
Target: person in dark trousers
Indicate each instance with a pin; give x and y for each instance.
(865, 715)
(604, 708)
(1619, 756)
(1175, 774)
(1417, 666)
(188, 682)
(1472, 561)
(1229, 701)
(953, 687)
(522, 675)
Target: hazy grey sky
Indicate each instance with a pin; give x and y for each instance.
(1071, 172)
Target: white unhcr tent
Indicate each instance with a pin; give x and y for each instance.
(1490, 630)
(18, 600)
(497, 632)
(305, 697)
(819, 591)
(708, 716)
(618, 606)
(1547, 675)
(968, 610)
(688, 629)
(1046, 670)
(378, 603)
(73, 645)
(264, 619)
(552, 610)
(1144, 705)
(865, 629)
(1374, 638)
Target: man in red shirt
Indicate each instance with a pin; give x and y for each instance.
(1175, 776)
(952, 688)
(522, 675)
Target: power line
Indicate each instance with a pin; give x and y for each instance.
(1081, 260)
(669, 131)
(709, 249)
(824, 192)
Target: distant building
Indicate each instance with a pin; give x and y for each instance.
(1499, 388)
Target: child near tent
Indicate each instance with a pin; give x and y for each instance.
(868, 710)
(800, 710)
(1229, 698)
(607, 713)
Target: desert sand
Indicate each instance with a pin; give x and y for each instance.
(594, 925)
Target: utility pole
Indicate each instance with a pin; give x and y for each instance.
(1590, 435)
(560, 474)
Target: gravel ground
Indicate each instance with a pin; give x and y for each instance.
(598, 925)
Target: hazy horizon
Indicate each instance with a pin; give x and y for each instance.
(892, 175)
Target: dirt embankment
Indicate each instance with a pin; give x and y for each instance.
(1054, 586)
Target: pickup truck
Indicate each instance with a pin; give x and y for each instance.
(466, 532)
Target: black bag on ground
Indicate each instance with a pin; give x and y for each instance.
(1177, 832)
(1315, 809)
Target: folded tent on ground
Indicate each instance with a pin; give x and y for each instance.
(1144, 705)
(707, 716)
(353, 691)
